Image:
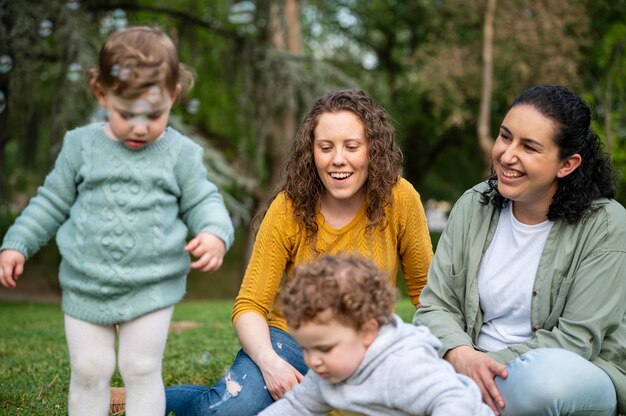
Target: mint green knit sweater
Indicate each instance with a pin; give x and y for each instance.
(121, 219)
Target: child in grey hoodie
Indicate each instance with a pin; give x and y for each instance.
(362, 358)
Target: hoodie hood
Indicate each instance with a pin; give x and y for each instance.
(393, 337)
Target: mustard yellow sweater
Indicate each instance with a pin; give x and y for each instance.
(281, 245)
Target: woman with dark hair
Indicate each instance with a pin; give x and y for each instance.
(342, 192)
(527, 287)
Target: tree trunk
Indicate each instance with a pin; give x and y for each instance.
(485, 140)
(285, 35)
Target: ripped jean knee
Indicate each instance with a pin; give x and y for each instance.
(241, 391)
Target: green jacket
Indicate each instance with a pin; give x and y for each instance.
(579, 295)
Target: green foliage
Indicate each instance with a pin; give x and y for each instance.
(49, 45)
(608, 90)
(422, 60)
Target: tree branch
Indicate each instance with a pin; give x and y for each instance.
(184, 16)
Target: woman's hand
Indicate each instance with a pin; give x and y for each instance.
(482, 369)
(279, 376)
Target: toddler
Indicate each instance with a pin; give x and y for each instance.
(362, 358)
(122, 198)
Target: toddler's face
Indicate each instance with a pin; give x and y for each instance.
(332, 349)
(141, 121)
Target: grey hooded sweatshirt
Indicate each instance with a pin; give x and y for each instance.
(401, 374)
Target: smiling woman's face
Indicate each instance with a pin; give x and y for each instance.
(340, 154)
(526, 160)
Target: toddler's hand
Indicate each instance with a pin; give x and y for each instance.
(209, 250)
(11, 267)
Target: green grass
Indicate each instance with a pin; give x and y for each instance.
(34, 364)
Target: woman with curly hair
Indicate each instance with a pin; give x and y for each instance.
(526, 290)
(342, 192)
(362, 357)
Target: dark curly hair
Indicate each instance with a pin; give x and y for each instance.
(350, 286)
(593, 179)
(302, 184)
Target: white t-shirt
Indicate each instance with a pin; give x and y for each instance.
(506, 276)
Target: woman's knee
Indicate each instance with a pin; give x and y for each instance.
(288, 349)
(546, 378)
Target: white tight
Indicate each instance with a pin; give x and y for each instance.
(92, 359)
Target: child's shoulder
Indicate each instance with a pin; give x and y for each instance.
(78, 136)
(179, 137)
(85, 130)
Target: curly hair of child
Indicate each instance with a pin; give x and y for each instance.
(350, 286)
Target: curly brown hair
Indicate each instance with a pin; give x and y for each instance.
(136, 58)
(302, 183)
(350, 286)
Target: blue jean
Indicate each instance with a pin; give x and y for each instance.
(241, 391)
(553, 381)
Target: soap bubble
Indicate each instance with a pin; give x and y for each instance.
(106, 24)
(139, 111)
(124, 74)
(6, 64)
(139, 120)
(45, 28)
(119, 19)
(154, 95)
(193, 106)
(73, 5)
(241, 12)
(115, 20)
(115, 70)
(204, 358)
(74, 71)
(141, 107)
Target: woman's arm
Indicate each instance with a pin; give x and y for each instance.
(414, 245)
(270, 255)
(442, 300)
(254, 336)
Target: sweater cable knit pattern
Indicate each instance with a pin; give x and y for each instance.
(281, 245)
(121, 218)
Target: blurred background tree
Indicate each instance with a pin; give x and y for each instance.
(261, 64)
